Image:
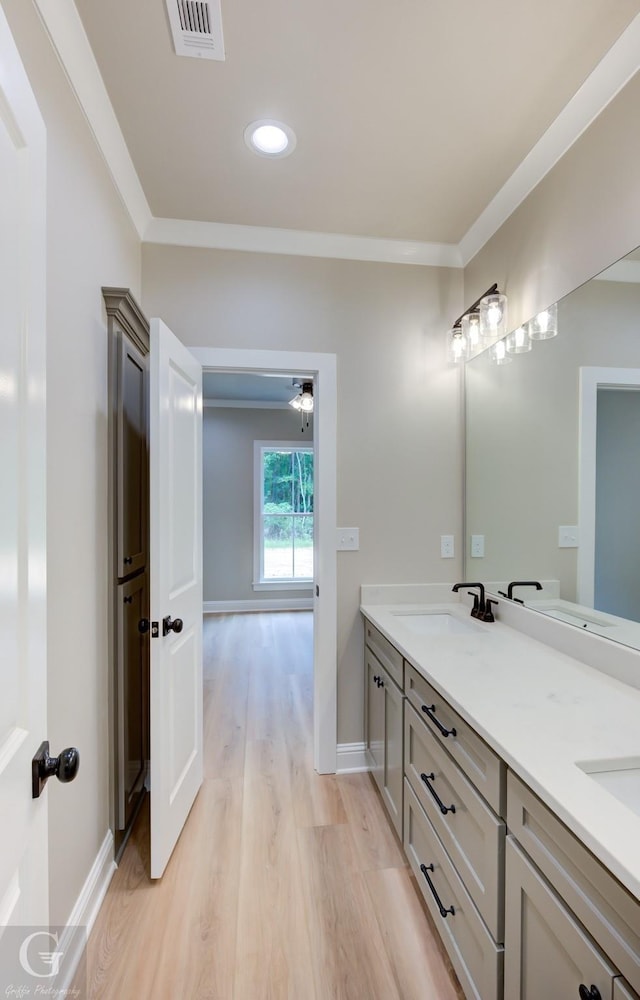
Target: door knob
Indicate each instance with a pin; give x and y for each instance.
(171, 626)
(43, 766)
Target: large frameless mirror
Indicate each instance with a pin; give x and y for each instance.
(553, 461)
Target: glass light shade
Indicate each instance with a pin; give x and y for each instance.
(471, 330)
(493, 316)
(518, 341)
(295, 402)
(306, 402)
(499, 354)
(545, 324)
(457, 347)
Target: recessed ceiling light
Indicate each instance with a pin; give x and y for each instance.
(270, 138)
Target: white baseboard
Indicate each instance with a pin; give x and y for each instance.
(266, 604)
(84, 913)
(351, 757)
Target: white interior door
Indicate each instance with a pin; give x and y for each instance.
(175, 462)
(23, 706)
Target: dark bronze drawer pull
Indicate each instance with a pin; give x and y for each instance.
(589, 994)
(428, 778)
(429, 710)
(425, 869)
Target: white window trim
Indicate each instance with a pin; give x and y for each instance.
(259, 583)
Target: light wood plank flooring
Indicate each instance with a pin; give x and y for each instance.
(285, 885)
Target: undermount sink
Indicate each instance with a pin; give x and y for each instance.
(621, 778)
(435, 623)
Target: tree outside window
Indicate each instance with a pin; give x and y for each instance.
(286, 516)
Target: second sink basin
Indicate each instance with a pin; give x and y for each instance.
(435, 623)
(621, 778)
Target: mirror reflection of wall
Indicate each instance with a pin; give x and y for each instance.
(522, 465)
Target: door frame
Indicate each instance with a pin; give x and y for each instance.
(592, 379)
(323, 369)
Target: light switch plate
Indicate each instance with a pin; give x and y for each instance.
(568, 536)
(477, 546)
(447, 547)
(348, 539)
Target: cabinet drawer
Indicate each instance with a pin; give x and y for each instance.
(548, 954)
(478, 761)
(470, 832)
(601, 904)
(388, 655)
(477, 960)
(622, 991)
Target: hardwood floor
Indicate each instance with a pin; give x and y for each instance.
(285, 884)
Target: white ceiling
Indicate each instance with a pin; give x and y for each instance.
(237, 387)
(410, 116)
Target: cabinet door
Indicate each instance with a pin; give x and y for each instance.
(393, 756)
(131, 453)
(548, 954)
(375, 718)
(131, 696)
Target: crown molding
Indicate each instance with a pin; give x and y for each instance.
(302, 243)
(70, 41)
(614, 70)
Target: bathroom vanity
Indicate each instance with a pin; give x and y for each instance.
(511, 771)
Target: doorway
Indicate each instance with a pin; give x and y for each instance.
(609, 481)
(322, 369)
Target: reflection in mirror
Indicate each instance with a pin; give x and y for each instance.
(553, 460)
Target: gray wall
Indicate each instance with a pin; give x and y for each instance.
(227, 441)
(584, 215)
(90, 243)
(399, 422)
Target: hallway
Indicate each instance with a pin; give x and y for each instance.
(284, 883)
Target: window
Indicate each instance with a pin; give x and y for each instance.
(284, 514)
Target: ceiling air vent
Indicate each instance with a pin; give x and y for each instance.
(196, 26)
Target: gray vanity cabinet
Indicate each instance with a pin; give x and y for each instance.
(548, 954)
(383, 702)
(622, 991)
(375, 718)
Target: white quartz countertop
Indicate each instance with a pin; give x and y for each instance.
(542, 712)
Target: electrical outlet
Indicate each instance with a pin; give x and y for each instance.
(447, 547)
(477, 546)
(348, 539)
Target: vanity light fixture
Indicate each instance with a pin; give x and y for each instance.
(471, 329)
(545, 324)
(457, 347)
(519, 341)
(499, 355)
(270, 138)
(486, 319)
(493, 316)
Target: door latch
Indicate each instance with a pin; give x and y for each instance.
(144, 625)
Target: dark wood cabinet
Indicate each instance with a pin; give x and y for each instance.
(128, 333)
